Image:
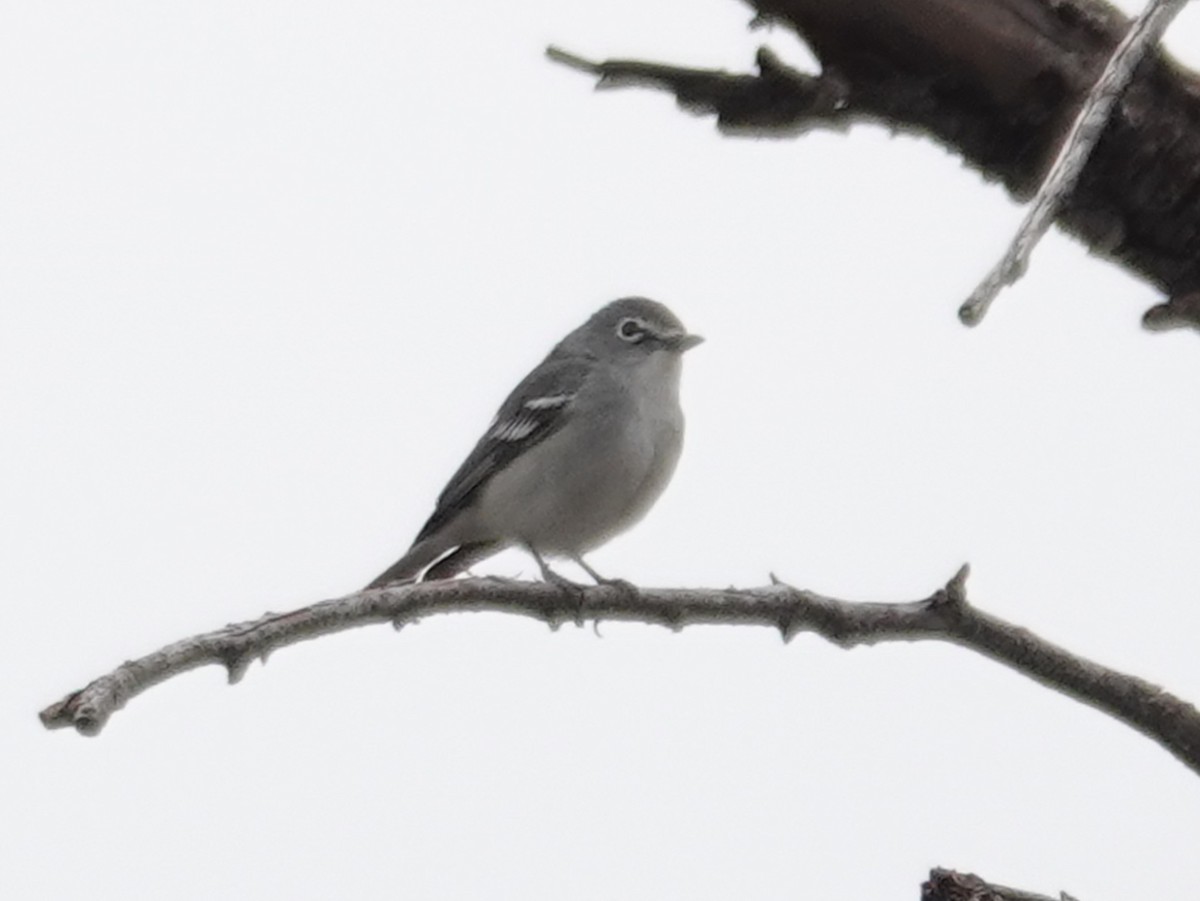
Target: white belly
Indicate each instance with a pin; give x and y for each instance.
(594, 478)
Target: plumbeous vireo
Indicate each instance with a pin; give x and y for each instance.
(578, 453)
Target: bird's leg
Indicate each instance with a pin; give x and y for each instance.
(564, 584)
(586, 567)
(626, 588)
(549, 575)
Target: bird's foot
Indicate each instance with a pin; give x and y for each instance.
(626, 588)
(573, 590)
(570, 589)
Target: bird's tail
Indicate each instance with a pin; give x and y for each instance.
(463, 558)
(412, 567)
(409, 567)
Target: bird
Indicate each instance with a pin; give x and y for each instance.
(577, 453)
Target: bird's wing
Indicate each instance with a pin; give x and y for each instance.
(537, 408)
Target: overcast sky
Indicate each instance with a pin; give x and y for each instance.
(266, 272)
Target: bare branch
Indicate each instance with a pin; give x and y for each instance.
(1143, 35)
(944, 616)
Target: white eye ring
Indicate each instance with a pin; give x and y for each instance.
(632, 330)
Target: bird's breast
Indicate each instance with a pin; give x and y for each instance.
(601, 472)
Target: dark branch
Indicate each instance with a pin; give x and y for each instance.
(779, 101)
(1177, 312)
(1000, 83)
(944, 616)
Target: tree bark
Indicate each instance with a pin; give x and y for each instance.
(943, 616)
(999, 82)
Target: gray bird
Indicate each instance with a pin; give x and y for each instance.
(578, 453)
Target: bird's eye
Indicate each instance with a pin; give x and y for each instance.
(632, 330)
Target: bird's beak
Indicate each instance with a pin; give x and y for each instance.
(684, 342)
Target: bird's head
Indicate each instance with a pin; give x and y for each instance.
(629, 330)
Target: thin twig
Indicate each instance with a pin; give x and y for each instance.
(1143, 34)
(944, 616)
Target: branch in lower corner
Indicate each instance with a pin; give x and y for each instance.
(949, 885)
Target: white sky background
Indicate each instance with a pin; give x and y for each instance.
(266, 273)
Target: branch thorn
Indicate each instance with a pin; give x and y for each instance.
(236, 663)
(954, 594)
(787, 626)
(957, 587)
